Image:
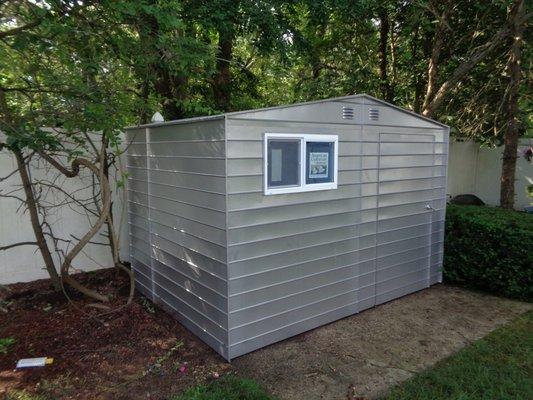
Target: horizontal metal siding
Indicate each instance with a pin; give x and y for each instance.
(411, 173)
(138, 219)
(298, 259)
(177, 185)
(292, 328)
(437, 247)
(291, 258)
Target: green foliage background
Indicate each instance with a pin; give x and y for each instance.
(102, 65)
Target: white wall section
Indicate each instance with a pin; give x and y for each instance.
(476, 170)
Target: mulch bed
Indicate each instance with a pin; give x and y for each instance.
(125, 354)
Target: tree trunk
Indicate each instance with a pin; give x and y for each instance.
(384, 28)
(394, 63)
(172, 90)
(104, 214)
(31, 203)
(110, 221)
(512, 131)
(222, 79)
(433, 66)
(169, 84)
(418, 80)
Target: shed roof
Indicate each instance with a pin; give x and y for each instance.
(349, 98)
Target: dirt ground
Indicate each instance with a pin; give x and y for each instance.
(142, 352)
(363, 355)
(125, 355)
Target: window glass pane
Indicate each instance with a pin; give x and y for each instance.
(319, 164)
(283, 162)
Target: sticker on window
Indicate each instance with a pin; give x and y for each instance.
(318, 165)
(276, 165)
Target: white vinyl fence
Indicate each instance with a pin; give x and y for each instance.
(472, 169)
(476, 170)
(22, 264)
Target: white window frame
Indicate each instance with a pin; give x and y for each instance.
(303, 186)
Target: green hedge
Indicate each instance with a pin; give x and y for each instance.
(490, 249)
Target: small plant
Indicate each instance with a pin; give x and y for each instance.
(4, 306)
(147, 305)
(23, 395)
(160, 360)
(5, 343)
(176, 367)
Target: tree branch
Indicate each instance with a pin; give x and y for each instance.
(61, 168)
(438, 44)
(10, 246)
(18, 29)
(464, 68)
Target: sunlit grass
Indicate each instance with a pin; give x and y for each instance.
(497, 367)
(226, 388)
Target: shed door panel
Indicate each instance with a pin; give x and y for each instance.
(404, 203)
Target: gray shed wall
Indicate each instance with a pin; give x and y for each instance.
(177, 203)
(292, 258)
(243, 270)
(297, 261)
(139, 228)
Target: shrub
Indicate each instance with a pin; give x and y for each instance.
(490, 249)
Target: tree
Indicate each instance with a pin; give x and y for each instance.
(513, 130)
(57, 71)
(437, 92)
(232, 27)
(165, 53)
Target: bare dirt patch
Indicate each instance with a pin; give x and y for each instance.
(364, 355)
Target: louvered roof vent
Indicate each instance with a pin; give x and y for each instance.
(347, 112)
(373, 114)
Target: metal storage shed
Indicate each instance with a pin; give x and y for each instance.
(255, 226)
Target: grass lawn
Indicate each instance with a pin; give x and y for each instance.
(497, 367)
(226, 388)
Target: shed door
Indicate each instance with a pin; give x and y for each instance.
(404, 214)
